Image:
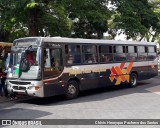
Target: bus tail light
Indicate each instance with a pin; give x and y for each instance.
(37, 87)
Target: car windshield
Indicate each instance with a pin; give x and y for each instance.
(33, 63)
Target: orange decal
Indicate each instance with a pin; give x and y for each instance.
(127, 78)
(111, 78)
(120, 73)
(122, 65)
(118, 81)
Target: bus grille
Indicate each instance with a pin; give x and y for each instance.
(20, 83)
(19, 88)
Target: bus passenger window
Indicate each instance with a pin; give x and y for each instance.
(120, 53)
(89, 54)
(142, 53)
(70, 59)
(53, 66)
(45, 58)
(52, 58)
(73, 54)
(152, 53)
(132, 53)
(105, 53)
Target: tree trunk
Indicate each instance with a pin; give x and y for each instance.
(99, 34)
(33, 22)
(4, 35)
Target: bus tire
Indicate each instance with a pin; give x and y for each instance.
(72, 90)
(133, 80)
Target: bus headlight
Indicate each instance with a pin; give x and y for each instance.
(34, 88)
(37, 87)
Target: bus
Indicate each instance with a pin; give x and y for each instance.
(5, 48)
(49, 66)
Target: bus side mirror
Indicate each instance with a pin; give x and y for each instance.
(4, 54)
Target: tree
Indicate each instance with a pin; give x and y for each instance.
(89, 17)
(135, 18)
(156, 7)
(138, 19)
(34, 18)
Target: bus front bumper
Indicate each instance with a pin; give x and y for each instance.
(34, 88)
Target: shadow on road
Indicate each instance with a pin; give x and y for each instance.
(9, 111)
(20, 113)
(89, 95)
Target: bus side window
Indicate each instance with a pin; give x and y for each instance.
(56, 59)
(142, 53)
(152, 54)
(52, 58)
(105, 53)
(120, 54)
(73, 54)
(70, 59)
(132, 53)
(89, 53)
(52, 62)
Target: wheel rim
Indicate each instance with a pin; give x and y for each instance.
(134, 80)
(71, 89)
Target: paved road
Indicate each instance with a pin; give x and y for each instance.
(142, 102)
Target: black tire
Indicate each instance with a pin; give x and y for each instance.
(72, 90)
(133, 80)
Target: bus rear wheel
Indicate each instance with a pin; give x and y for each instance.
(72, 90)
(133, 80)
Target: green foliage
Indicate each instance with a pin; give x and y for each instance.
(137, 19)
(34, 18)
(89, 17)
(155, 5)
(32, 4)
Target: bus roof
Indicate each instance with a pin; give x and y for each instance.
(88, 41)
(93, 41)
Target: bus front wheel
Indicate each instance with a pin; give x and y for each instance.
(72, 90)
(133, 80)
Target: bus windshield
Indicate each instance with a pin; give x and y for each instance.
(24, 64)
